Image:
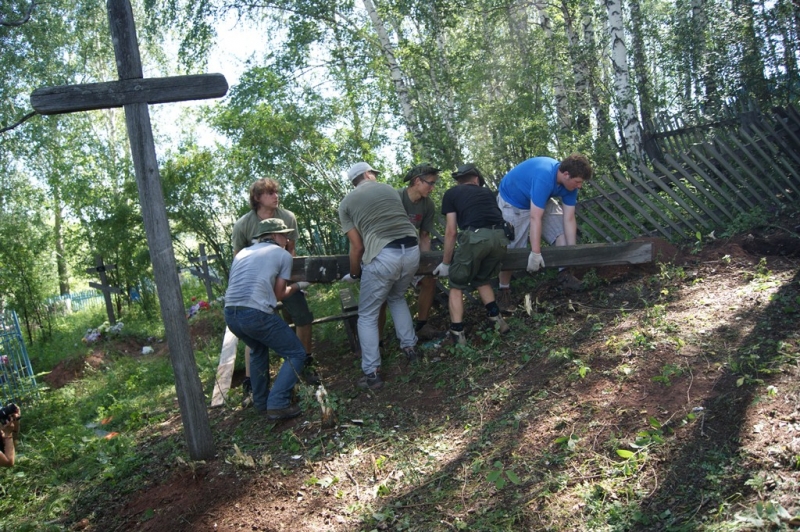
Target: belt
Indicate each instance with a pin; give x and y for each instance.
(236, 308)
(495, 226)
(406, 241)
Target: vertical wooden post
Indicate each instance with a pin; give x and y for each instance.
(154, 213)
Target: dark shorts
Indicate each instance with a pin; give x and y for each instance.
(477, 258)
(295, 310)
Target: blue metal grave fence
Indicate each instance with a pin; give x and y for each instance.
(17, 382)
(79, 300)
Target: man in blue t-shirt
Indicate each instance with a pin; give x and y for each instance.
(527, 200)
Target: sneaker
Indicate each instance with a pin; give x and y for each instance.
(411, 354)
(499, 324)
(372, 381)
(458, 337)
(504, 301)
(284, 413)
(247, 393)
(427, 332)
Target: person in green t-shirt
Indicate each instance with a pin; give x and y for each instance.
(264, 204)
(384, 256)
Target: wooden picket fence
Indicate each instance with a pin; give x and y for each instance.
(699, 179)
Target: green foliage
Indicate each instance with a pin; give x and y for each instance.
(499, 475)
(746, 221)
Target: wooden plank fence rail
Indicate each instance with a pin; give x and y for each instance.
(700, 178)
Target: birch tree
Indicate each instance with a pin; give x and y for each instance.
(396, 75)
(625, 109)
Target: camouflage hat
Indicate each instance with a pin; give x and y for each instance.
(270, 226)
(466, 170)
(420, 170)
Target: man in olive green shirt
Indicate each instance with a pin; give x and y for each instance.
(384, 255)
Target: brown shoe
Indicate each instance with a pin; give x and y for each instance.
(427, 332)
(505, 302)
(499, 324)
(284, 413)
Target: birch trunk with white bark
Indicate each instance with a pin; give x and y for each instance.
(559, 90)
(395, 73)
(626, 111)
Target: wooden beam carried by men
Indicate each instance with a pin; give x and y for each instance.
(133, 92)
(327, 269)
(106, 288)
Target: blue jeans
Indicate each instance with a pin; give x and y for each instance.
(262, 331)
(386, 278)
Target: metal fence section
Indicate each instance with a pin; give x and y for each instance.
(77, 301)
(17, 382)
(700, 179)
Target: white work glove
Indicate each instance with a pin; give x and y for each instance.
(350, 279)
(302, 285)
(442, 270)
(535, 261)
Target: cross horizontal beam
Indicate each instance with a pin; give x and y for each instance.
(327, 269)
(91, 96)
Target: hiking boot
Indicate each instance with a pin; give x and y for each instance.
(284, 413)
(504, 301)
(411, 354)
(372, 381)
(427, 332)
(499, 324)
(458, 337)
(247, 393)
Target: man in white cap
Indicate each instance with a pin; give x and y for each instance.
(259, 278)
(384, 255)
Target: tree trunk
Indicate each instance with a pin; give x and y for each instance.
(626, 111)
(578, 53)
(445, 93)
(559, 90)
(640, 64)
(61, 261)
(396, 75)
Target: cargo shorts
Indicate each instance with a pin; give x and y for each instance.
(477, 258)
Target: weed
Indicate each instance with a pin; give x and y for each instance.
(745, 222)
(667, 372)
(582, 368)
(499, 476)
(766, 515)
(561, 353)
(670, 272)
(698, 243)
(568, 442)
(591, 280)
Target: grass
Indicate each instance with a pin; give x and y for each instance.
(628, 407)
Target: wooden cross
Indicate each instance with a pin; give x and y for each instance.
(106, 288)
(133, 92)
(202, 271)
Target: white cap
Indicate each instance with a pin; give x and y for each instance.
(358, 169)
